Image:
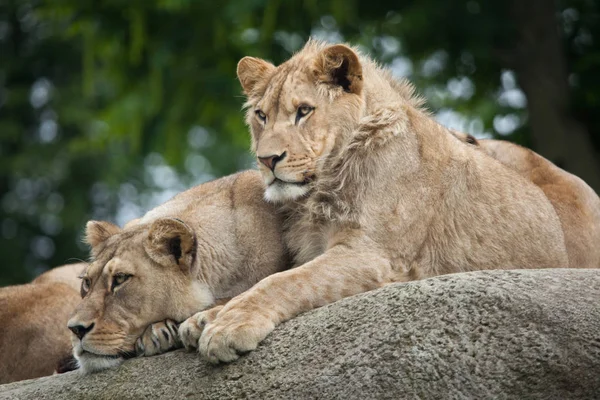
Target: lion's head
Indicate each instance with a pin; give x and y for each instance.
(300, 112)
(139, 275)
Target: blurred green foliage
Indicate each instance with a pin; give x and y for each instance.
(109, 107)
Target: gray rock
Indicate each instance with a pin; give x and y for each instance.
(496, 334)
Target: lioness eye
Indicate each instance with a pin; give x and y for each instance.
(303, 111)
(261, 115)
(85, 286)
(119, 279)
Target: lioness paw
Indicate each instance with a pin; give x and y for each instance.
(232, 334)
(191, 329)
(158, 338)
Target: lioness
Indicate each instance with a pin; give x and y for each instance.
(577, 205)
(206, 244)
(33, 338)
(376, 191)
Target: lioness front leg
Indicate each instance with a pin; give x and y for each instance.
(191, 329)
(158, 338)
(247, 319)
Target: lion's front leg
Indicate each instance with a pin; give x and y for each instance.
(158, 338)
(247, 319)
(191, 329)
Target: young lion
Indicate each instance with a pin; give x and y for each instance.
(375, 190)
(206, 244)
(576, 204)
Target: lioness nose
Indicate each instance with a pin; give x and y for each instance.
(270, 161)
(80, 330)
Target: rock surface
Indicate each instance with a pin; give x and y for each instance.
(496, 334)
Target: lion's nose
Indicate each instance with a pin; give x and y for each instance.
(80, 330)
(271, 161)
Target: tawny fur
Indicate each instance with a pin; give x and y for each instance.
(375, 192)
(67, 274)
(33, 335)
(208, 243)
(576, 204)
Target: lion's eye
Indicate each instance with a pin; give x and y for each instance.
(85, 286)
(119, 279)
(261, 115)
(303, 111)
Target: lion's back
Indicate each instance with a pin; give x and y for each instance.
(33, 328)
(576, 204)
(67, 274)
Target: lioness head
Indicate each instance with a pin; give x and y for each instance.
(139, 275)
(300, 112)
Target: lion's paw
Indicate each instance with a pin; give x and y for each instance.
(191, 329)
(158, 338)
(233, 333)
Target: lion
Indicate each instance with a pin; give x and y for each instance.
(33, 338)
(576, 204)
(375, 192)
(195, 251)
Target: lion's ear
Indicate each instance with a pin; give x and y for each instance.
(252, 70)
(171, 241)
(97, 232)
(339, 65)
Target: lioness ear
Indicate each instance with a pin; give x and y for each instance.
(252, 70)
(171, 241)
(339, 65)
(96, 232)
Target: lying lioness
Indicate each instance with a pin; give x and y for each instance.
(33, 338)
(208, 243)
(376, 192)
(577, 205)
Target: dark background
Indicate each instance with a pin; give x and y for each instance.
(108, 107)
